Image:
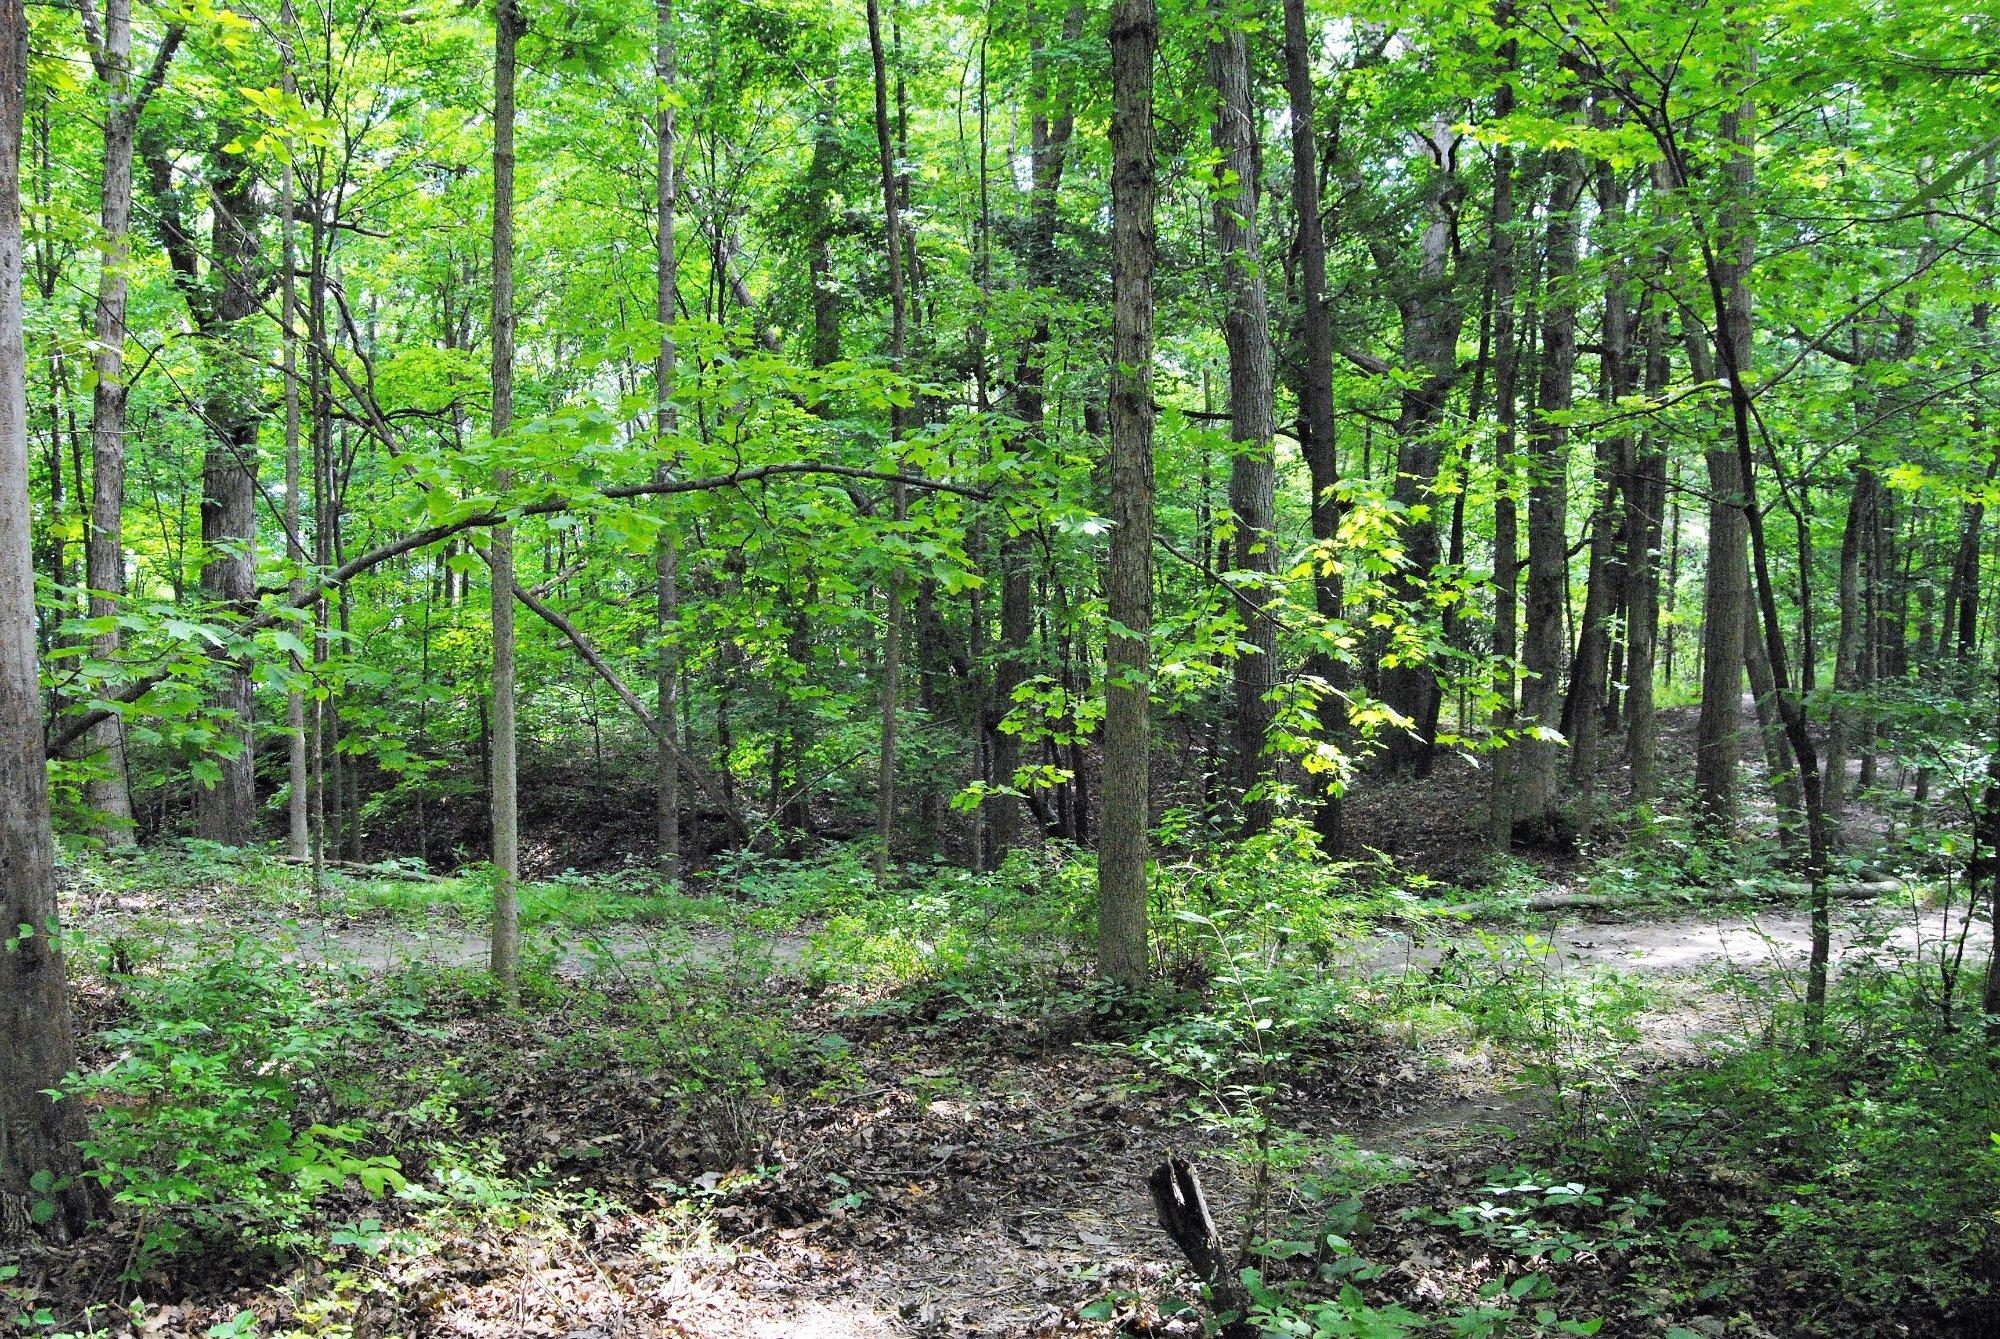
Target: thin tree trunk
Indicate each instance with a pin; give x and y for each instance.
(1850, 640)
(298, 817)
(1252, 466)
(1049, 138)
(109, 795)
(1318, 443)
(1506, 512)
(1584, 711)
(506, 935)
(1536, 797)
(1645, 533)
(666, 552)
(1128, 587)
(892, 621)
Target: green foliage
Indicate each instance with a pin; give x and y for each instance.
(1834, 1167)
(215, 1121)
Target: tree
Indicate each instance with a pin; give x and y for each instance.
(125, 101)
(1319, 442)
(1122, 858)
(1537, 797)
(1252, 467)
(666, 559)
(506, 940)
(892, 617)
(40, 1172)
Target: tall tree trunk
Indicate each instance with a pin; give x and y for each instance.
(666, 553)
(125, 98)
(1506, 511)
(1049, 138)
(1536, 798)
(1646, 500)
(1432, 315)
(1584, 711)
(298, 799)
(38, 1134)
(1318, 443)
(1724, 611)
(892, 621)
(506, 937)
(1727, 265)
(1850, 641)
(226, 806)
(1252, 466)
(1128, 586)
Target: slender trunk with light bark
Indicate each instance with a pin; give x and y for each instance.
(506, 935)
(666, 552)
(892, 619)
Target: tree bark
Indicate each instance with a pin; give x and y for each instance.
(892, 619)
(1318, 442)
(1506, 511)
(1536, 797)
(506, 935)
(1646, 499)
(1049, 139)
(109, 794)
(41, 1182)
(1128, 587)
(1252, 466)
(298, 816)
(666, 552)
(1584, 711)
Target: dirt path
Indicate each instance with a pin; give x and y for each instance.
(1682, 946)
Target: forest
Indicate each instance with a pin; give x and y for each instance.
(734, 668)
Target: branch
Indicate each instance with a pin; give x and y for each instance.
(696, 773)
(81, 725)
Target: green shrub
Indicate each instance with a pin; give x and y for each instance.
(222, 1115)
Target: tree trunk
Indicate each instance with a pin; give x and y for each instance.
(1318, 443)
(1850, 640)
(1584, 710)
(1049, 139)
(1646, 499)
(1536, 797)
(506, 937)
(892, 619)
(1506, 512)
(666, 553)
(1128, 585)
(41, 1179)
(226, 807)
(1252, 467)
(1431, 317)
(1724, 611)
(298, 816)
(109, 795)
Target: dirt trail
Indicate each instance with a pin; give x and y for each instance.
(999, 1272)
(1682, 946)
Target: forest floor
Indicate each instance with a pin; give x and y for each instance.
(900, 1161)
